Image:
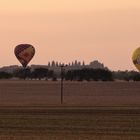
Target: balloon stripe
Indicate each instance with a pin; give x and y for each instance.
(21, 48)
(135, 62)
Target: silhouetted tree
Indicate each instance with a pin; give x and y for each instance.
(49, 64)
(126, 75)
(50, 74)
(39, 73)
(5, 75)
(89, 74)
(53, 64)
(22, 73)
(83, 64)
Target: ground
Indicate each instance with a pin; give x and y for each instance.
(31, 110)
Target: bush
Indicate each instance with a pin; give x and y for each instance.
(5, 75)
(89, 75)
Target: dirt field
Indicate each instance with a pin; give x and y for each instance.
(36, 93)
(91, 111)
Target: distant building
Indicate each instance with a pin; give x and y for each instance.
(96, 65)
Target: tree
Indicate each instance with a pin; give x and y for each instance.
(83, 64)
(53, 64)
(49, 64)
(89, 74)
(39, 73)
(22, 73)
(5, 75)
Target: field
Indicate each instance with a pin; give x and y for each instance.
(31, 110)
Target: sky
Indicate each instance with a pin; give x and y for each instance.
(68, 30)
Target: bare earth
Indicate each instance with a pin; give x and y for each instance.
(31, 110)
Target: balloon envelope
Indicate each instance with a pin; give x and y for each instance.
(136, 58)
(24, 53)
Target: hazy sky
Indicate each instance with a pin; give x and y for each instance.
(65, 30)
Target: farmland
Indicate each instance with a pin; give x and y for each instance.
(91, 110)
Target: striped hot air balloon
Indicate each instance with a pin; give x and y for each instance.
(24, 53)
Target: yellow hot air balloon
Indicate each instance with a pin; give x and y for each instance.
(24, 53)
(136, 58)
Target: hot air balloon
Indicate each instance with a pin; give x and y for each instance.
(24, 53)
(136, 58)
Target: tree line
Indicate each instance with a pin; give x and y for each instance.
(86, 74)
